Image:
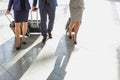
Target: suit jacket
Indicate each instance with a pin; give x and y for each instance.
(17, 5)
(53, 3)
(76, 3)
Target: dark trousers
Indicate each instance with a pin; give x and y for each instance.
(47, 10)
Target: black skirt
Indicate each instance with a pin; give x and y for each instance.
(22, 4)
(21, 16)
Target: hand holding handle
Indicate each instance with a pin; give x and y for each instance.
(7, 12)
(34, 8)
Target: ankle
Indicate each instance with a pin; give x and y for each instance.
(23, 39)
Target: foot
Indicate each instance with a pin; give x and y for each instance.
(23, 40)
(44, 40)
(49, 34)
(70, 37)
(17, 48)
(17, 44)
(75, 42)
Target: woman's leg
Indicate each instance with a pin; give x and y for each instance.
(76, 28)
(71, 25)
(17, 34)
(24, 31)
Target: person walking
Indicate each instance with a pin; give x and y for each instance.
(47, 7)
(21, 11)
(76, 10)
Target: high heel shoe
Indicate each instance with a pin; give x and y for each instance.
(70, 37)
(75, 42)
(18, 47)
(24, 42)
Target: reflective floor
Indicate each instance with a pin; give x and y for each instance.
(95, 57)
(14, 70)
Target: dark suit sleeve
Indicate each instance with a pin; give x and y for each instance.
(34, 3)
(10, 4)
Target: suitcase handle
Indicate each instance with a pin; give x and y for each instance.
(36, 18)
(8, 17)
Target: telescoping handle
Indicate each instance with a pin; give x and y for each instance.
(9, 17)
(32, 21)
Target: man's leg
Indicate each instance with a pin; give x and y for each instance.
(51, 14)
(43, 14)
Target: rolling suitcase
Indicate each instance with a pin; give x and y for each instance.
(12, 25)
(34, 24)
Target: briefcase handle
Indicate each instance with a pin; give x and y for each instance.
(36, 17)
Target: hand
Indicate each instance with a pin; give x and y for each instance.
(34, 8)
(8, 12)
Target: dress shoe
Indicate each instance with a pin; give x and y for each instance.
(75, 42)
(18, 47)
(23, 40)
(70, 37)
(24, 43)
(49, 34)
(44, 40)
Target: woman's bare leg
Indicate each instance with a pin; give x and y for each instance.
(76, 28)
(17, 34)
(24, 31)
(71, 25)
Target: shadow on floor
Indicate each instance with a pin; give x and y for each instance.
(15, 71)
(8, 50)
(29, 41)
(118, 56)
(114, 0)
(63, 53)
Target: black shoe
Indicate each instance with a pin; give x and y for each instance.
(75, 42)
(23, 40)
(44, 40)
(70, 37)
(49, 34)
(17, 48)
(24, 43)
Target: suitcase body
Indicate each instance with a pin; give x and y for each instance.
(12, 25)
(34, 25)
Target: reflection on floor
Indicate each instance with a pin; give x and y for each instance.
(8, 52)
(63, 53)
(95, 57)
